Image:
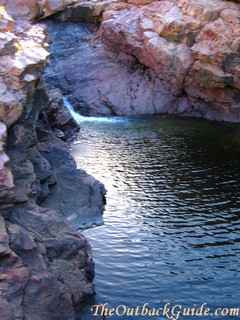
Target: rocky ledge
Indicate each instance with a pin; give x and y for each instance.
(46, 267)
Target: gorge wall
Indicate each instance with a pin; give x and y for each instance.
(134, 57)
(46, 267)
(191, 47)
(178, 57)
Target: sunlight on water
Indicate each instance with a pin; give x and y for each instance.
(172, 228)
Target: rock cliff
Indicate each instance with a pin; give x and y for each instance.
(170, 56)
(46, 267)
(191, 46)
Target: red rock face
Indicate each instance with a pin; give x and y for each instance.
(193, 47)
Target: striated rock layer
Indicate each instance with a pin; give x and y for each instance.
(46, 267)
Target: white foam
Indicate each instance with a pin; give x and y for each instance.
(79, 118)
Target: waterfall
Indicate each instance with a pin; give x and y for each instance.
(79, 118)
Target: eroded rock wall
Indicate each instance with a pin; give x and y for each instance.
(169, 56)
(46, 267)
(192, 47)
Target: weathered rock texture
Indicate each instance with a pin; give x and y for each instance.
(192, 47)
(170, 56)
(46, 267)
(75, 9)
(98, 81)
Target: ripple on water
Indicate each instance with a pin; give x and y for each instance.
(172, 227)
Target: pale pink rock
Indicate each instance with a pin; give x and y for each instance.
(140, 2)
(202, 10)
(22, 60)
(192, 45)
(8, 43)
(52, 6)
(10, 108)
(14, 89)
(6, 22)
(22, 8)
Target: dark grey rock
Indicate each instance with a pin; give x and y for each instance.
(77, 195)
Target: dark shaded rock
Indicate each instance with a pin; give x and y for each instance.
(13, 276)
(44, 175)
(77, 195)
(49, 290)
(46, 268)
(84, 11)
(5, 309)
(60, 118)
(42, 166)
(78, 13)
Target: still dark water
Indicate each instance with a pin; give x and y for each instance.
(172, 219)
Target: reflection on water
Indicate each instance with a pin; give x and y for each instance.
(172, 228)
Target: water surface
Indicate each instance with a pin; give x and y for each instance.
(172, 226)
